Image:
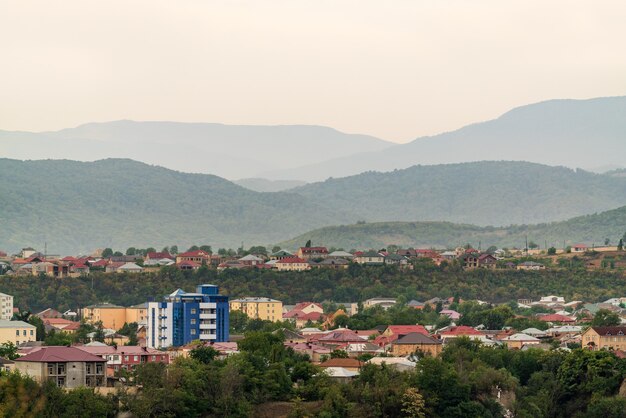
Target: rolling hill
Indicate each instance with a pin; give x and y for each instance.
(483, 193)
(589, 134)
(590, 229)
(78, 206)
(230, 151)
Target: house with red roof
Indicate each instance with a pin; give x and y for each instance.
(460, 331)
(308, 253)
(557, 318)
(125, 356)
(292, 264)
(67, 367)
(304, 312)
(579, 248)
(197, 256)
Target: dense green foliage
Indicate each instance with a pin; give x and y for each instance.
(77, 207)
(468, 380)
(482, 193)
(352, 285)
(83, 207)
(594, 228)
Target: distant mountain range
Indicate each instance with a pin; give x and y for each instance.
(228, 151)
(590, 229)
(588, 134)
(78, 206)
(265, 185)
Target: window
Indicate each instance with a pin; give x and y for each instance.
(193, 321)
(24, 333)
(193, 311)
(31, 333)
(193, 332)
(17, 332)
(135, 358)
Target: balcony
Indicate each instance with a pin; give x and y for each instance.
(208, 326)
(208, 316)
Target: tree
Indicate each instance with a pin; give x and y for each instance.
(131, 251)
(338, 354)
(605, 318)
(276, 249)
(117, 254)
(58, 338)
(107, 252)
(204, 354)
(8, 350)
(41, 328)
(193, 248)
(533, 245)
(607, 241)
(620, 246)
(551, 251)
(308, 244)
(413, 404)
(174, 249)
(206, 248)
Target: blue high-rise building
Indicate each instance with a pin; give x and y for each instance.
(184, 317)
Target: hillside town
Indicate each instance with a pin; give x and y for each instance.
(32, 262)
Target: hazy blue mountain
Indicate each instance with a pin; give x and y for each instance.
(481, 193)
(265, 185)
(228, 151)
(590, 229)
(589, 134)
(78, 206)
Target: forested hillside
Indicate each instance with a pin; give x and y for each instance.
(355, 284)
(590, 229)
(77, 207)
(483, 193)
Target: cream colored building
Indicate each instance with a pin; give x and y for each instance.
(114, 316)
(17, 332)
(259, 308)
(604, 338)
(6, 307)
(292, 264)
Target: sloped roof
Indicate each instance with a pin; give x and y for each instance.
(407, 329)
(60, 354)
(342, 362)
(610, 330)
(520, 337)
(250, 257)
(416, 338)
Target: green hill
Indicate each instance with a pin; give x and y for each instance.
(483, 193)
(590, 229)
(78, 206)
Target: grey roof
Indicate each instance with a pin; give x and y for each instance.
(250, 257)
(15, 324)
(416, 338)
(254, 299)
(340, 254)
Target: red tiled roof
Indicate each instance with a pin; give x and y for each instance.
(342, 362)
(556, 318)
(159, 255)
(407, 329)
(59, 354)
(313, 316)
(57, 321)
(100, 263)
(303, 305)
(461, 330)
(196, 253)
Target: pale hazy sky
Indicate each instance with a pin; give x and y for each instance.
(395, 69)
